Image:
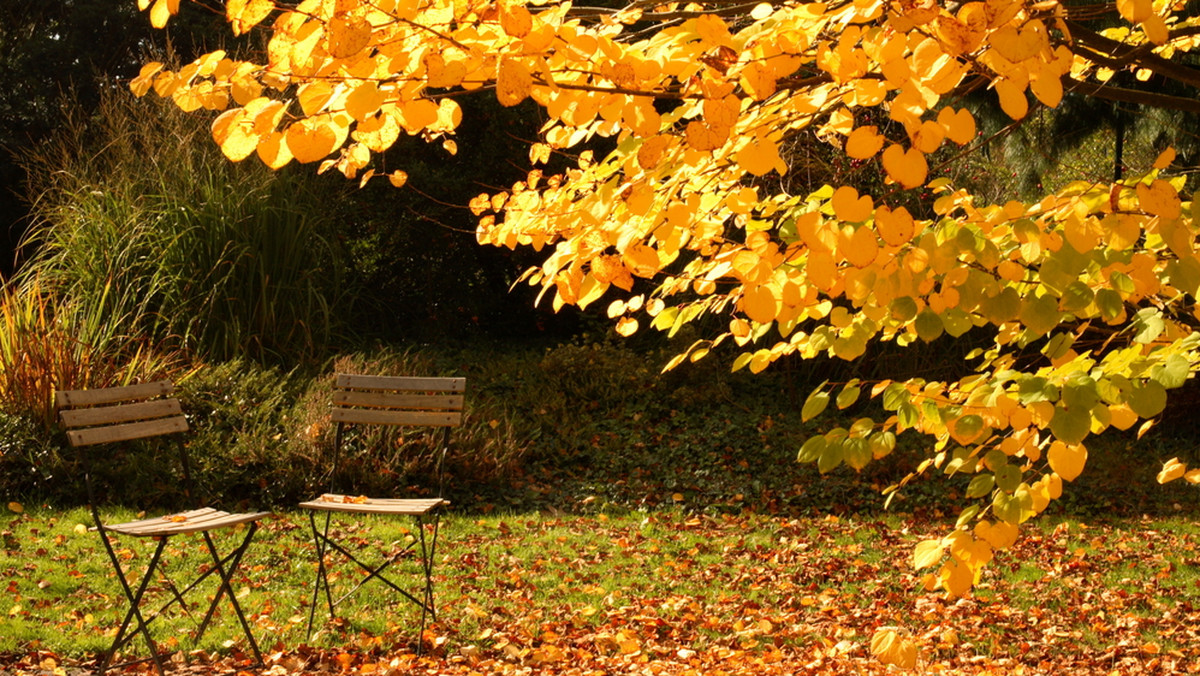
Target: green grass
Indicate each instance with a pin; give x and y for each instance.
(511, 584)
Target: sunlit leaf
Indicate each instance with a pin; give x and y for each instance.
(814, 405)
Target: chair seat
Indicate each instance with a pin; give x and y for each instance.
(364, 505)
(194, 521)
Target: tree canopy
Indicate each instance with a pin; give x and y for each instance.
(675, 122)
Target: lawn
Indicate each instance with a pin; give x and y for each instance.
(666, 591)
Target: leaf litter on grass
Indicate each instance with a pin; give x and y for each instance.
(665, 593)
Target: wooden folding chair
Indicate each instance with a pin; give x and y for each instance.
(101, 417)
(395, 401)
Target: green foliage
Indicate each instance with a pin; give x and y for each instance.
(141, 222)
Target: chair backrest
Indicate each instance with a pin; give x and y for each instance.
(112, 414)
(398, 401)
(115, 414)
(388, 400)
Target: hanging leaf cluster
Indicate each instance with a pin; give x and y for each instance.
(1088, 292)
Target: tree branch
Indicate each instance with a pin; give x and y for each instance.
(1115, 54)
(1111, 93)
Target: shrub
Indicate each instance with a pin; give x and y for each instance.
(139, 220)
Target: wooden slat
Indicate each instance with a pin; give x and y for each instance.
(386, 417)
(127, 431)
(195, 521)
(105, 415)
(409, 507)
(399, 383)
(452, 402)
(109, 395)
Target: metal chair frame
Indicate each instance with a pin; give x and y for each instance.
(392, 401)
(110, 415)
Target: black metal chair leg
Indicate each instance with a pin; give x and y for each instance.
(135, 600)
(225, 572)
(319, 541)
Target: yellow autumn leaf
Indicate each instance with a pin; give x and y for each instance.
(273, 150)
(16, 507)
(246, 14)
(398, 178)
(956, 578)
(863, 248)
(346, 36)
(759, 157)
(235, 135)
(162, 11)
(960, 125)
(364, 101)
(702, 136)
(890, 647)
(1171, 470)
(515, 19)
(313, 96)
(514, 82)
(896, 227)
(1135, 11)
(627, 326)
(1156, 30)
(927, 553)
(1019, 44)
(759, 81)
(1159, 199)
(1067, 460)
(1012, 98)
(440, 74)
(310, 140)
(760, 304)
(908, 168)
(1047, 87)
(641, 260)
(864, 142)
(928, 137)
(145, 78)
(848, 206)
(1164, 159)
(999, 534)
(651, 151)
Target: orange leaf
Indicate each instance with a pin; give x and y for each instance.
(1012, 98)
(760, 304)
(514, 82)
(141, 84)
(364, 101)
(515, 19)
(760, 157)
(929, 136)
(908, 168)
(235, 135)
(310, 140)
(246, 14)
(440, 74)
(864, 142)
(960, 126)
(347, 36)
(895, 227)
(701, 136)
(864, 248)
(1017, 45)
(398, 178)
(1159, 199)
(1067, 461)
(651, 151)
(849, 207)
